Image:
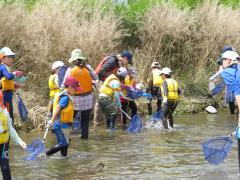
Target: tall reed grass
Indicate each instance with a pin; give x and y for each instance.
(52, 30)
(187, 41)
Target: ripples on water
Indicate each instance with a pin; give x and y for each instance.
(152, 154)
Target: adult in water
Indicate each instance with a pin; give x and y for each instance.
(231, 74)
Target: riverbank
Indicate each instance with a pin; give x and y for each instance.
(37, 111)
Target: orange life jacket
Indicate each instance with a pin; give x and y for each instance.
(83, 76)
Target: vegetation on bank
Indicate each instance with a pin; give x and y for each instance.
(185, 35)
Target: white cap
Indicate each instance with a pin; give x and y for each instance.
(6, 51)
(57, 64)
(166, 71)
(230, 55)
(122, 72)
(133, 71)
(155, 65)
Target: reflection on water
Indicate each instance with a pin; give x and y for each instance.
(151, 154)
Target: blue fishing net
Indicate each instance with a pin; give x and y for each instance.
(217, 149)
(136, 93)
(35, 149)
(23, 112)
(136, 124)
(157, 116)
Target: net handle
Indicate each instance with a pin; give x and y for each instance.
(45, 134)
(215, 75)
(125, 114)
(233, 134)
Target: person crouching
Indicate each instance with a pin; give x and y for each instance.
(62, 117)
(109, 97)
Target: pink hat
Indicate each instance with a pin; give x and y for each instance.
(71, 81)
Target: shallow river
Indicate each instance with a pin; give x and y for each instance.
(151, 154)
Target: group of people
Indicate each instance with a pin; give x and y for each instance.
(72, 97)
(72, 94)
(165, 90)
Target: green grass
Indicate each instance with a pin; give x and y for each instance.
(135, 7)
(187, 3)
(233, 3)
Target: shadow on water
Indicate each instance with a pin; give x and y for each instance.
(151, 154)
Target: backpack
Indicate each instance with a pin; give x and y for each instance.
(61, 74)
(112, 70)
(99, 66)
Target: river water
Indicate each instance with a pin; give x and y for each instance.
(151, 154)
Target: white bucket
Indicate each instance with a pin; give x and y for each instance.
(211, 110)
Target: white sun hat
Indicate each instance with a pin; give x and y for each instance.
(166, 71)
(230, 55)
(57, 64)
(6, 51)
(122, 72)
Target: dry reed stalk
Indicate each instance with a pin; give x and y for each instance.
(187, 41)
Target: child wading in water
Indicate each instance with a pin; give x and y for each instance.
(53, 85)
(6, 130)
(62, 117)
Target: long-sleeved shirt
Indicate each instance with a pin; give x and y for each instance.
(231, 77)
(13, 134)
(114, 84)
(5, 72)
